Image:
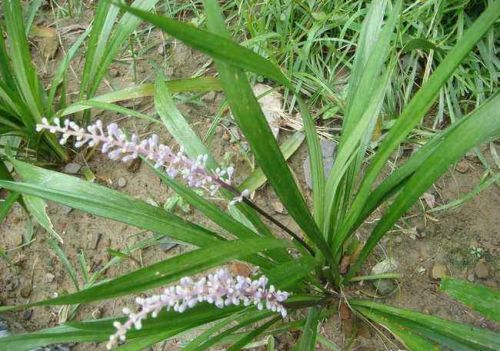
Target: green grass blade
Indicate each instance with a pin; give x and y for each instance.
(31, 13)
(37, 208)
(242, 320)
(104, 19)
(315, 162)
(99, 330)
(116, 108)
(364, 102)
(249, 336)
(445, 332)
(422, 102)
(127, 24)
(252, 122)
(164, 272)
(412, 340)
(144, 342)
(104, 202)
(213, 44)
(478, 297)
(27, 81)
(60, 74)
(479, 126)
(307, 341)
(199, 85)
(175, 123)
(5, 68)
(65, 262)
(257, 178)
(6, 205)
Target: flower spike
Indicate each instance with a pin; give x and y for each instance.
(220, 289)
(115, 144)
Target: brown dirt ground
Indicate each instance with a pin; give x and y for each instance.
(445, 238)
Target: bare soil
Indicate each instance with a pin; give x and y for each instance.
(450, 238)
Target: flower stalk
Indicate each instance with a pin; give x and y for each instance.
(115, 144)
(220, 289)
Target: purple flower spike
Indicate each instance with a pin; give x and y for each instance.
(117, 146)
(220, 289)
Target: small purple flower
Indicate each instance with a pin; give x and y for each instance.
(117, 146)
(220, 289)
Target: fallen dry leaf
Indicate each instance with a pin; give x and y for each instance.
(47, 41)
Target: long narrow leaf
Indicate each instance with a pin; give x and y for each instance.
(479, 297)
(104, 202)
(482, 124)
(422, 102)
(307, 341)
(213, 44)
(467, 335)
(412, 340)
(254, 126)
(199, 84)
(163, 272)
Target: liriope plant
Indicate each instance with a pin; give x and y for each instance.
(24, 100)
(299, 282)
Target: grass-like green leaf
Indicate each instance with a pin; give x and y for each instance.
(37, 208)
(105, 202)
(307, 341)
(479, 126)
(247, 337)
(412, 340)
(478, 297)
(421, 103)
(219, 331)
(106, 40)
(60, 75)
(213, 44)
(253, 124)
(7, 203)
(164, 272)
(176, 124)
(315, 162)
(447, 333)
(364, 102)
(170, 323)
(198, 85)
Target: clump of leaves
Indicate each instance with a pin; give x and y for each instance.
(315, 269)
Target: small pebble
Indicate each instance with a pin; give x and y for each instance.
(209, 97)
(122, 182)
(481, 270)
(470, 276)
(49, 278)
(113, 72)
(65, 210)
(72, 168)
(27, 315)
(26, 291)
(462, 166)
(438, 271)
(384, 286)
(278, 207)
